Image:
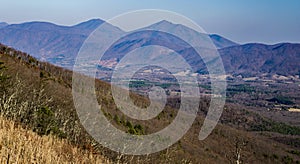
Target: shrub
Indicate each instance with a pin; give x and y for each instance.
(129, 125)
(139, 129)
(45, 121)
(282, 100)
(117, 119)
(136, 130)
(131, 131)
(287, 159)
(296, 152)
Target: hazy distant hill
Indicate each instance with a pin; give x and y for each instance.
(247, 60)
(46, 40)
(219, 41)
(60, 44)
(52, 42)
(3, 24)
(253, 59)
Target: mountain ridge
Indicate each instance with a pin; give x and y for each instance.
(59, 45)
(253, 59)
(3, 24)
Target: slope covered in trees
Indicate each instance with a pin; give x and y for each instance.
(38, 96)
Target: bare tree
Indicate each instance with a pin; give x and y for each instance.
(235, 156)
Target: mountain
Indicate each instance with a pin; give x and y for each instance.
(59, 45)
(47, 41)
(254, 59)
(155, 35)
(219, 41)
(222, 42)
(3, 24)
(89, 25)
(248, 60)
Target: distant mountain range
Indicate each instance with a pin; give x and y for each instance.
(46, 40)
(255, 59)
(60, 44)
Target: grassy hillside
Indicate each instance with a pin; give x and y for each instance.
(19, 145)
(38, 96)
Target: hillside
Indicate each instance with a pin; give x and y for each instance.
(222, 42)
(19, 145)
(256, 59)
(3, 24)
(38, 95)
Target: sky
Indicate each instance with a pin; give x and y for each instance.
(243, 21)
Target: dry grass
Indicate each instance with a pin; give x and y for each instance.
(18, 145)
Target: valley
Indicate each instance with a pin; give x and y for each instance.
(260, 117)
(260, 138)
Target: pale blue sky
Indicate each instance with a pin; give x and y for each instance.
(266, 21)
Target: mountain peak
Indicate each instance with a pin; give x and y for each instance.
(164, 22)
(219, 41)
(90, 24)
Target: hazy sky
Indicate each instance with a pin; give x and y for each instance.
(266, 21)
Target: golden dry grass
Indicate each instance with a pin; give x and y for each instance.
(18, 145)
